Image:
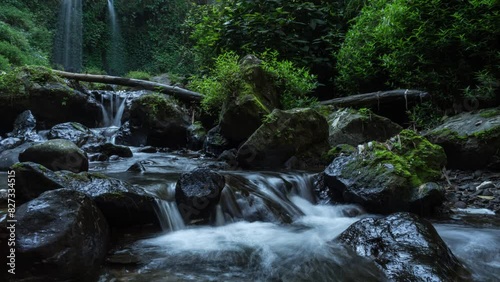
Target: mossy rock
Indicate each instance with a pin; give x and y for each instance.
(296, 132)
(51, 99)
(382, 177)
(470, 140)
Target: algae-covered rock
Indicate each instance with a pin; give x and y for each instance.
(161, 121)
(298, 132)
(353, 127)
(384, 177)
(57, 154)
(470, 140)
(215, 143)
(51, 99)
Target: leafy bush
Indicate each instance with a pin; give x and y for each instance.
(305, 33)
(439, 46)
(22, 41)
(227, 81)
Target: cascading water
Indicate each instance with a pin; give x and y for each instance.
(112, 106)
(68, 39)
(114, 52)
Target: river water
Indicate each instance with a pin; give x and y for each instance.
(249, 241)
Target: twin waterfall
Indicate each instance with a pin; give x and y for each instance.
(68, 45)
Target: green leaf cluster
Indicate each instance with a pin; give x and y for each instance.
(444, 47)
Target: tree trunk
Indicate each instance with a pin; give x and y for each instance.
(179, 93)
(378, 98)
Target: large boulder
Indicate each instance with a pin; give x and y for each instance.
(196, 136)
(108, 150)
(240, 118)
(122, 204)
(298, 132)
(197, 193)
(51, 99)
(160, 121)
(405, 247)
(354, 127)
(389, 177)
(470, 140)
(75, 132)
(60, 236)
(57, 154)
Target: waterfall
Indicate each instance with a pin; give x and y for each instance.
(68, 39)
(167, 211)
(114, 53)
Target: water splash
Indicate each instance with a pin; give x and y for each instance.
(68, 40)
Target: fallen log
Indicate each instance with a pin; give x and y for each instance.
(179, 93)
(378, 98)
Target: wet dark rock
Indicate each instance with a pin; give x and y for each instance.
(11, 156)
(228, 156)
(60, 235)
(215, 143)
(76, 133)
(109, 150)
(51, 100)
(122, 204)
(24, 127)
(389, 177)
(196, 136)
(57, 154)
(240, 118)
(352, 127)
(196, 194)
(298, 132)
(406, 248)
(470, 140)
(158, 120)
(137, 167)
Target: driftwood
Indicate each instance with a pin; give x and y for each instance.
(179, 93)
(403, 96)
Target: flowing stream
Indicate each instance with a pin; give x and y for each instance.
(249, 242)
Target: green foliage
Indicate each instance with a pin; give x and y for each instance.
(138, 75)
(438, 46)
(22, 41)
(294, 83)
(226, 80)
(306, 33)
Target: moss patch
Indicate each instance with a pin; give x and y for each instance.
(488, 113)
(157, 106)
(407, 155)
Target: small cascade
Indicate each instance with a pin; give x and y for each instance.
(113, 106)
(114, 54)
(68, 39)
(167, 211)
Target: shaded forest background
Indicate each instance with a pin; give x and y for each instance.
(449, 48)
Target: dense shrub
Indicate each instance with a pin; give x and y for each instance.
(444, 47)
(306, 33)
(226, 80)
